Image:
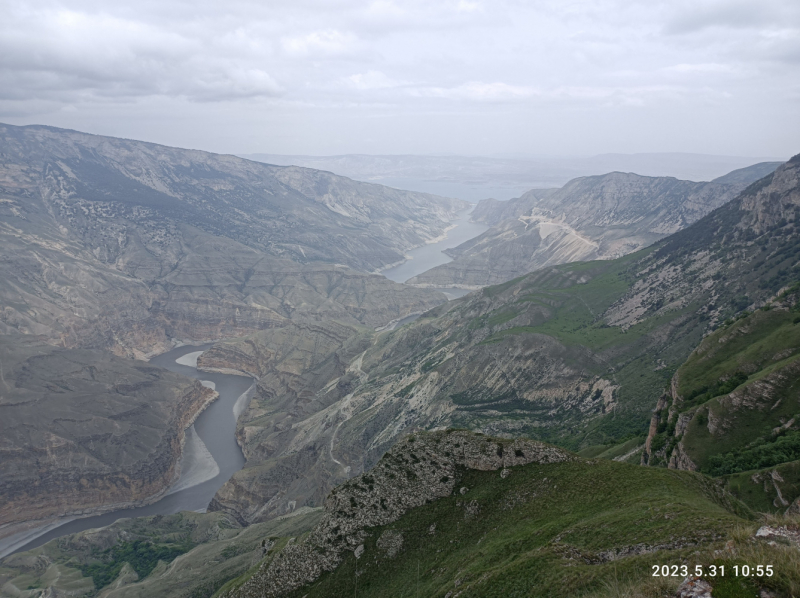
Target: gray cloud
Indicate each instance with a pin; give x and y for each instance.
(335, 76)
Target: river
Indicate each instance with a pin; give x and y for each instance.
(431, 255)
(210, 455)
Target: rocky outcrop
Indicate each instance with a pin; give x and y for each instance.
(600, 217)
(681, 460)
(651, 431)
(83, 431)
(419, 469)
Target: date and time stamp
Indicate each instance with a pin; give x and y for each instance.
(712, 571)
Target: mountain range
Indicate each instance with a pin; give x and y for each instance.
(554, 434)
(506, 176)
(590, 218)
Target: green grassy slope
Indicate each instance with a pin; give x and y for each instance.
(136, 558)
(736, 406)
(544, 530)
(525, 357)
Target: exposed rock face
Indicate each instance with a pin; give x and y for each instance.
(421, 468)
(83, 430)
(695, 264)
(123, 245)
(291, 350)
(111, 244)
(301, 369)
(298, 213)
(573, 354)
(492, 211)
(590, 218)
(304, 434)
(731, 416)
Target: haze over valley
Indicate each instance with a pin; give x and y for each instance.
(378, 299)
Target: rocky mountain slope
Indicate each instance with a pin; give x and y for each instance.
(84, 431)
(590, 218)
(124, 245)
(733, 407)
(576, 354)
(129, 247)
(298, 213)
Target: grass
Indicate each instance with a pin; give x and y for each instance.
(749, 486)
(532, 533)
(737, 357)
(575, 309)
(748, 345)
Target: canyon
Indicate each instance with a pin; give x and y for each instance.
(384, 420)
(117, 247)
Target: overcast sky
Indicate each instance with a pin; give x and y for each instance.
(462, 76)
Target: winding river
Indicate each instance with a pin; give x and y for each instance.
(210, 455)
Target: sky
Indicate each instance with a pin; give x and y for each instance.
(469, 77)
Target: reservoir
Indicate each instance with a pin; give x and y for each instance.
(431, 255)
(210, 457)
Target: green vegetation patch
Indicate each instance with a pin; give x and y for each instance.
(576, 308)
(736, 352)
(141, 555)
(762, 453)
(544, 530)
(756, 357)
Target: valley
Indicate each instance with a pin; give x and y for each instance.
(618, 387)
(589, 218)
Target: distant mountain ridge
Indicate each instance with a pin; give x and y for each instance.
(598, 217)
(479, 177)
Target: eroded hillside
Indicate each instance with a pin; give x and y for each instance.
(117, 246)
(577, 354)
(599, 217)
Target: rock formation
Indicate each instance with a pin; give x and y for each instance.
(416, 471)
